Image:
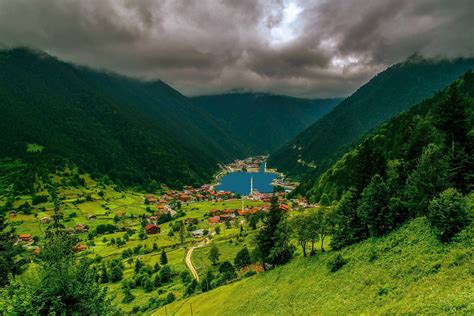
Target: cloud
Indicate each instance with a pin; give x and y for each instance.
(304, 48)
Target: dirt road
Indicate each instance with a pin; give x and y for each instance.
(189, 262)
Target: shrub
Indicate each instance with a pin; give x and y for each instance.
(336, 263)
(448, 214)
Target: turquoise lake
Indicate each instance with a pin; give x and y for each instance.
(239, 182)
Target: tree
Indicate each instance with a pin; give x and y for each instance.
(127, 295)
(448, 214)
(63, 284)
(313, 227)
(9, 264)
(253, 221)
(147, 284)
(373, 208)
(214, 254)
(428, 179)
(242, 258)
(347, 224)
(301, 228)
(103, 274)
(273, 238)
(138, 265)
(227, 271)
(191, 288)
(116, 273)
(165, 274)
(163, 257)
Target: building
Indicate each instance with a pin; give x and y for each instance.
(45, 220)
(80, 247)
(151, 199)
(152, 229)
(198, 233)
(214, 220)
(25, 237)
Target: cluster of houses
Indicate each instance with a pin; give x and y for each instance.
(222, 216)
(249, 164)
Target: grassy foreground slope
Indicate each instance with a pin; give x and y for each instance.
(407, 271)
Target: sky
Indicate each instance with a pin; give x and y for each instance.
(312, 48)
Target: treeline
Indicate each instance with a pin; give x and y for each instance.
(420, 163)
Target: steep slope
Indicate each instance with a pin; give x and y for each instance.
(408, 271)
(387, 94)
(398, 144)
(131, 131)
(264, 122)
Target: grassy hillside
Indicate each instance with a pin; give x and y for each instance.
(386, 95)
(408, 271)
(134, 132)
(264, 122)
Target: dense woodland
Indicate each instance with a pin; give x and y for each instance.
(386, 95)
(420, 163)
(132, 132)
(264, 122)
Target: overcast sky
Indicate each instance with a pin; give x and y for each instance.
(312, 48)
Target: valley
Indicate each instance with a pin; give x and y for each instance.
(294, 170)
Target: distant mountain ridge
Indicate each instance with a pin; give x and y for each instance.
(134, 132)
(262, 121)
(389, 93)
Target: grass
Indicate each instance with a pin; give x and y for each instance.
(34, 148)
(408, 271)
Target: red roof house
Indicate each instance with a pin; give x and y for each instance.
(152, 229)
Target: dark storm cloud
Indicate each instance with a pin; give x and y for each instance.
(304, 48)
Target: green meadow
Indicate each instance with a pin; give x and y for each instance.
(408, 271)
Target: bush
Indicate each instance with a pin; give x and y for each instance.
(336, 263)
(448, 214)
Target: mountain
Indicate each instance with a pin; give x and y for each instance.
(386, 95)
(406, 272)
(131, 131)
(264, 122)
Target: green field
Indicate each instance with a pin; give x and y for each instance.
(408, 271)
(79, 203)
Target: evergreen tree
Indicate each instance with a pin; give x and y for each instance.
(127, 295)
(64, 285)
(428, 179)
(347, 224)
(214, 254)
(165, 274)
(242, 258)
(163, 258)
(273, 240)
(373, 209)
(9, 251)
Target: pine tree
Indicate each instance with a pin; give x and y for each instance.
(373, 209)
(273, 240)
(347, 225)
(242, 258)
(214, 254)
(163, 258)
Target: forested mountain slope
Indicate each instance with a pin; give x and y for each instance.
(421, 157)
(264, 122)
(390, 92)
(133, 132)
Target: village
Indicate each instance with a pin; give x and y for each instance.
(111, 223)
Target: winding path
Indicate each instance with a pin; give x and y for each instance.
(189, 262)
